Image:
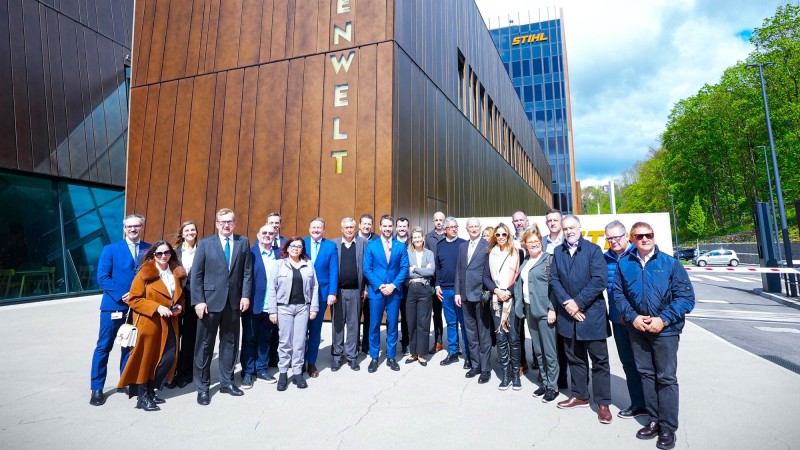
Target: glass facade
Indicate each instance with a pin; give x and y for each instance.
(51, 234)
(534, 57)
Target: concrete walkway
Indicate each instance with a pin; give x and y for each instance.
(730, 399)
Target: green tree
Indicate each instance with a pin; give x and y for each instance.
(697, 218)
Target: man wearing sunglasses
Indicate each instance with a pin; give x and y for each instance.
(619, 247)
(578, 276)
(653, 292)
(115, 271)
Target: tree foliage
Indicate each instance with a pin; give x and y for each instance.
(710, 153)
(697, 218)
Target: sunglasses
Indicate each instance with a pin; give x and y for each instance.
(501, 235)
(163, 254)
(639, 237)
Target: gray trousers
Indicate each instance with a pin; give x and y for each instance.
(292, 328)
(344, 315)
(479, 327)
(543, 338)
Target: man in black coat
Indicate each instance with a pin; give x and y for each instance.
(578, 278)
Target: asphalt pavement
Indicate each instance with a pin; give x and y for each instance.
(730, 399)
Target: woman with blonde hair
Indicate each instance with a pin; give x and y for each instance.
(500, 274)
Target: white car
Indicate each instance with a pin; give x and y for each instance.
(718, 257)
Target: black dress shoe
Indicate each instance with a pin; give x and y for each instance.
(283, 382)
(485, 377)
(97, 398)
(472, 373)
(411, 359)
(649, 431)
(299, 381)
(354, 365)
(404, 350)
(449, 359)
(392, 363)
(184, 383)
(146, 403)
(336, 365)
(232, 390)
(666, 439)
(632, 411)
(172, 384)
(467, 364)
(203, 398)
(156, 399)
(422, 362)
(373, 366)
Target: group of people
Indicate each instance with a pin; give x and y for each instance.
(488, 286)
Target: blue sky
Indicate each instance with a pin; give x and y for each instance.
(631, 61)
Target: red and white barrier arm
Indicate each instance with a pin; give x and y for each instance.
(741, 269)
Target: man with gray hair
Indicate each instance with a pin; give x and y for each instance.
(347, 310)
(619, 247)
(446, 262)
(115, 271)
(578, 276)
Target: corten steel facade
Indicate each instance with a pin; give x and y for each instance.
(64, 118)
(535, 56)
(326, 108)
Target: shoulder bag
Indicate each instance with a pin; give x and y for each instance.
(127, 334)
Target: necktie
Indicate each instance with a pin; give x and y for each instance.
(387, 247)
(471, 251)
(228, 251)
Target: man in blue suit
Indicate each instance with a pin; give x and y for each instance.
(386, 268)
(257, 329)
(115, 272)
(325, 257)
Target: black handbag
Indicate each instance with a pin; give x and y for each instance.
(486, 296)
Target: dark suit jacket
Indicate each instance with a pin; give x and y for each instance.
(378, 271)
(258, 304)
(115, 272)
(583, 278)
(469, 276)
(361, 244)
(326, 266)
(212, 283)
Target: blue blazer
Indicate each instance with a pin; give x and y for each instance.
(326, 267)
(378, 271)
(115, 273)
(258, 305)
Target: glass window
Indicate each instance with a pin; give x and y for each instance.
(528, 93)
(516, 70)
(526, 68)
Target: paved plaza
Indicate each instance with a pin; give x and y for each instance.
(730, 399)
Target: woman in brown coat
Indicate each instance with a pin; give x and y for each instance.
(156, 298)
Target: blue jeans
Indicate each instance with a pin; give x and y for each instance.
(315, 332)
(256, 338)
(105, 342)
(454, 317)
(376, 307)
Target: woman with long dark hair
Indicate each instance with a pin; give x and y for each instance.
(292, 300)
(156, 299)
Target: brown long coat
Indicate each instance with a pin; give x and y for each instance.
(146, 294)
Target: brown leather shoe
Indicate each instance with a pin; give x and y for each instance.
(312, 371)
(649, 431)
(523, 370)
(603, 414)
(572, 403)
(437, 347)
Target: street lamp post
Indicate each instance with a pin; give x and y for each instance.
(784, 227)
(776, 240)
(674, 221)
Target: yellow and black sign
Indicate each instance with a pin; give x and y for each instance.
(529, 39)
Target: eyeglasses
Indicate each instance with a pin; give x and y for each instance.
(295, 247)
(226, 222)
(639, 237)
(534, 243)
(453, 227)
(133, 226)
(614, 238)
(501, 235)
(163, 254)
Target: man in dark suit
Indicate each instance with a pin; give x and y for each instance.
(347, 309)
(222, 285)
(472, 258)
(578, 276)
(257, 329)
(386, 268)
(325, 257)
(115, 271)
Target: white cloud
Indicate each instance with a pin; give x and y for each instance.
(630, 61)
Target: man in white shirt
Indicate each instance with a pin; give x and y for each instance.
(556, 236)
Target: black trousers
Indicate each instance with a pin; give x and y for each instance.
(438, 324)
(578, 354)
(561, 353)
(365, 326)
(164, 366)
(418, 308)
(227, 323)
(187, 324)
(656, 359)
(404, 332)
(479, 327)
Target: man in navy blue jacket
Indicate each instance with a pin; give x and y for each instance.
(653, 293)
(115, 271)
(578, 277)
